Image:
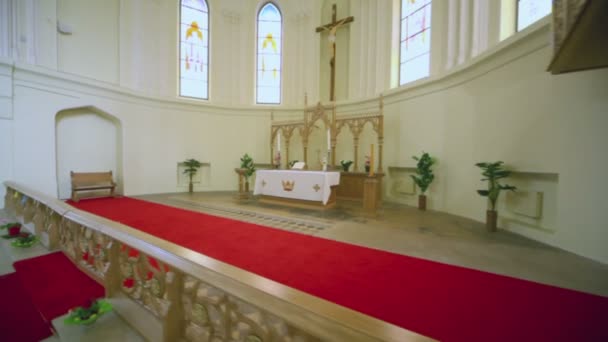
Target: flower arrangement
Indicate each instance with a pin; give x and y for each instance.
(25, 240)
(89, 313)
(346, 164)
(277, 159)
(367, 163)
(13, 228)
(291, 163)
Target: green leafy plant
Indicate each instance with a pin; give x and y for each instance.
(424, 173)
(89, 313)
(247, 164)
(24, 240)
(492, 173)
(192, 166)
(291, 163)
(346, 164)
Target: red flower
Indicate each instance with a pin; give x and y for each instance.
(85, 256)
(128, 283)
(14, 230)
(150, 275)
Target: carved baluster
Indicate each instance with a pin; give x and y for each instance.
(29, 210)
(173, 320)
(51, 228)
(39, 218)
(113, 274)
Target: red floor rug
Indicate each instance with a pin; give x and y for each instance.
(440, 301)
(19, 318)
(55, 284)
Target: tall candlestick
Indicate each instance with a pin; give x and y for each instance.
(328, 140)
(371, 161)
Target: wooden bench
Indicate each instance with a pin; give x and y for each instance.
(90, 181)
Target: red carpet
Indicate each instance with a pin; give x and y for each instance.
(55, 284)
(440, 301)
(19, 318)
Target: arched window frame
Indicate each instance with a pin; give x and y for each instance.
(403, 19)
(257, 53)
(205, 82)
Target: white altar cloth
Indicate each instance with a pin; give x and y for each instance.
(302, 185)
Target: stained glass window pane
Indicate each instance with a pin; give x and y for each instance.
(530, 11)
(194, 49)
(415, 46)
(269, 47)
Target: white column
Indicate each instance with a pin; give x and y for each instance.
(6, 28)
(372, 50)
(453, 29)
(27, 36)
(464, 49)
(479, 41)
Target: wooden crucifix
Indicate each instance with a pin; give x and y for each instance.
(332, 28)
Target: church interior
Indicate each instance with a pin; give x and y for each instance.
(323, 170)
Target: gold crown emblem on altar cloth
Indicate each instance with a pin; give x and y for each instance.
(287, 185)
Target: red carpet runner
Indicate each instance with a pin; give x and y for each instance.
(55, 284)
(440, 301)
(19, 318)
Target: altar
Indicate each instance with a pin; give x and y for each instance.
(309, 189)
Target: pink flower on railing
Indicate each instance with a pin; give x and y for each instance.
(367, 161)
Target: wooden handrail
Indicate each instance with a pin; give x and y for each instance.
(307, 315)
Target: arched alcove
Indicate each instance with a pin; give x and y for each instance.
(87, 139)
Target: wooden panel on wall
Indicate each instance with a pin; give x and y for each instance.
(351, 185)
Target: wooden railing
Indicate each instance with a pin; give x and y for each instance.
(170, 293)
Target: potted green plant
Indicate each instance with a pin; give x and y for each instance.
(247, 168)
(89, 313)
(192, 166)
(346, 164)
(291, 163)
(493, 172)
(24, 240)
(424, 176)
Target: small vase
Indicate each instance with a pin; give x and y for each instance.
(491, 219)
(422, 202)
(367, 168)
(345, 168)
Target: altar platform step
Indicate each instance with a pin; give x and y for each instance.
(109, 327)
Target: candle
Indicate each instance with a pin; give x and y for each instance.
(328, 140)
(371, 161)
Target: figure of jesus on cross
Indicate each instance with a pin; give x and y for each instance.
(332, 28)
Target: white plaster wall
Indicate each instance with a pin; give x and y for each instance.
(91, 50)
(508, 108)
(86, 142)
(6, 155)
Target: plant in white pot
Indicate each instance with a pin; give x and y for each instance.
(424, 176)
(493, 172)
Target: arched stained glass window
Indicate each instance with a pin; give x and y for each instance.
(194, 49)
(415, 54)
(268, 79)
